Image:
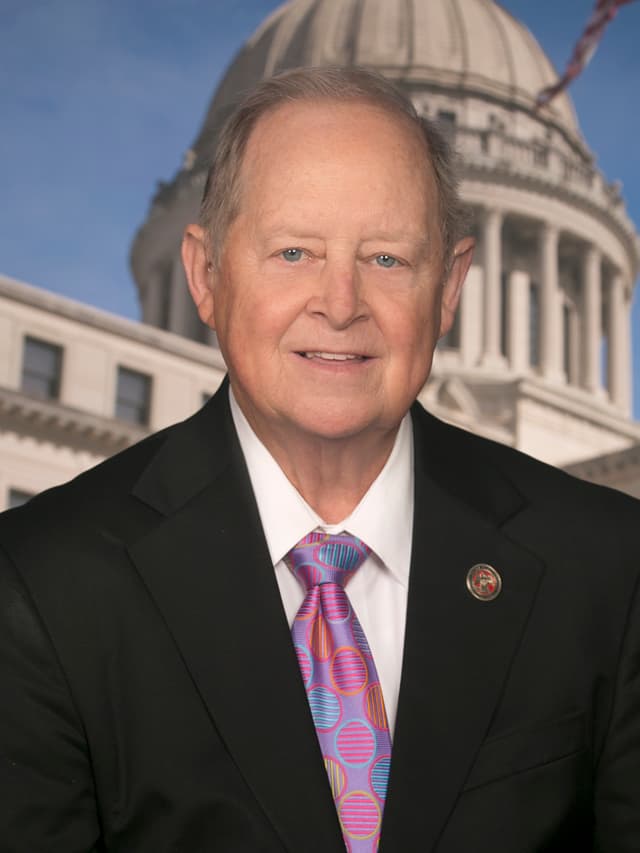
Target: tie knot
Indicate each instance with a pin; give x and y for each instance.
(326, 558)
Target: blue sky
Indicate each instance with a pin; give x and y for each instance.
(101, 98)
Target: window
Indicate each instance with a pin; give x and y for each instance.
(41, 369)
(604, 362)
(504, 308)
(17, 498)
(447, 117)
(566, 340)
(446, 121)
(540, 155)
(133, 396)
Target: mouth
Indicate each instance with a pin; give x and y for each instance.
(332, 356)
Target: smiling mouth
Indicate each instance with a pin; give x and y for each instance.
(333, 356)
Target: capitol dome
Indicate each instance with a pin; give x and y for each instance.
(474, 45)
(557, 255)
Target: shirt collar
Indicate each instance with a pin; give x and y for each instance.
(385, 525)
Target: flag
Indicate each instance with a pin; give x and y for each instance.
(604, 12)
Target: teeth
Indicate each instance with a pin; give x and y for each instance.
(332, 356)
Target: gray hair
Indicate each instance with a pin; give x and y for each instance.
(221, 198)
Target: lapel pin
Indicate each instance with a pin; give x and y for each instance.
(484, 582)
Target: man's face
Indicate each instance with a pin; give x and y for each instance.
(328, 298)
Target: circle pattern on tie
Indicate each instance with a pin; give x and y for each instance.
(320, 638)
(379, 776)
(343, 689)
(335, 606)
(348, 670)
(359, 814)
(374, 707)
(305, 662)
(337, 777)
(355, 743)
(361, 640)
(325, 708)
(308, 609)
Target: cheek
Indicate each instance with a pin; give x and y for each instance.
(411, 326)
(410, 336)
(257, 324)
(259, 300)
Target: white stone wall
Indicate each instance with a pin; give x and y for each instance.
(43, 443)
(30, 465)
(560, 437)
(94, 343)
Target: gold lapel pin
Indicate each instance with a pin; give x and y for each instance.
(484, 582)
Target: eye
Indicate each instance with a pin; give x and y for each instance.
(386, 261)
(292, 255)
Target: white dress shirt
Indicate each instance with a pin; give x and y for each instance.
(383, 520)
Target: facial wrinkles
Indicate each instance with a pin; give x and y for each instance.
(346, 248)
(331, 185)
(415, 159)
(316, 209)
(309, 330)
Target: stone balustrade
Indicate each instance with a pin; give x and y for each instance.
(492, 149)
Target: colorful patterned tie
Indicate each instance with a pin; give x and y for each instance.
(342, 684)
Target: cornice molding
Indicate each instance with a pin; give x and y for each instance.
(78, 312)
(50, 421)
(619, 464)
(568, 181)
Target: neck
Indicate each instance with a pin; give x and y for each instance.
(331, 474)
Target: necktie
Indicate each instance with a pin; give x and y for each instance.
(342, 685)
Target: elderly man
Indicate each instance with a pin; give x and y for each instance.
(311, 616)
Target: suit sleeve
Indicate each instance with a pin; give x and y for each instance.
(47, 803)
(617, 792)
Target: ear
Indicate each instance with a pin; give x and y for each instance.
(200, 273)
(462, 255)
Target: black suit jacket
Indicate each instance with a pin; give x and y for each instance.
(151, 699)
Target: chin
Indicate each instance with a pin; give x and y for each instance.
(334, 426)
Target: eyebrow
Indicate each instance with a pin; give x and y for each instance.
(397, 237)
(294, 234)
(291, 234)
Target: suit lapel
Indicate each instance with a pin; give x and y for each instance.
(458, 650)
(207, 566)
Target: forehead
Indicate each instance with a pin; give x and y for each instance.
(323, 111)
(327, 140)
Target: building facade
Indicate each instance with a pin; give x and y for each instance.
(78, 384)
(540, 357)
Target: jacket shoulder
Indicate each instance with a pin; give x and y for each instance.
(472, 456)
(100, 496)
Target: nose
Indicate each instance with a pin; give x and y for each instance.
(339, 297)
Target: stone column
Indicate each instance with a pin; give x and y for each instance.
(471, 307)
(550, 306)
(518, 320)
(574, 347)
(492, 249)
(180, 301)
(619, 362)
(592, 314)
(152, 301)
